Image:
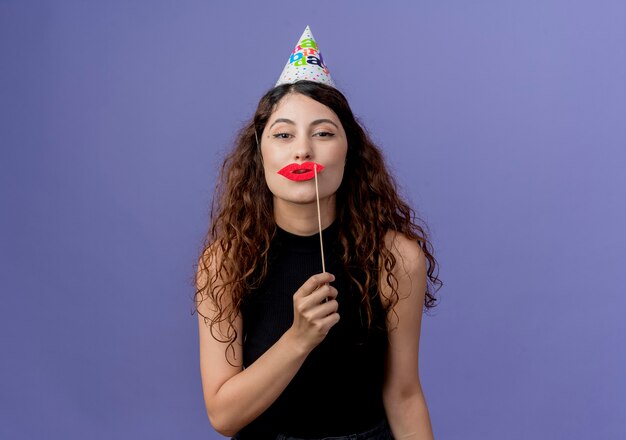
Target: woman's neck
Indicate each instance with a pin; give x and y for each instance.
(302, 219)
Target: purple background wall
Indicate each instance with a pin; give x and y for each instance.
(503, 121)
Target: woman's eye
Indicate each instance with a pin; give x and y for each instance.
(324, 134)
(282, 135)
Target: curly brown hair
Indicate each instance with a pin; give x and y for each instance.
(242, 225)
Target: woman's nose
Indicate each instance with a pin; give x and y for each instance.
(303, 149)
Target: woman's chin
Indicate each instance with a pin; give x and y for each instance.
(303, 198)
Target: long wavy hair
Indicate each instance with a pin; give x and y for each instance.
(234, 255)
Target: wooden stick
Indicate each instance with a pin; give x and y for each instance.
(319, 222)
(319, 217)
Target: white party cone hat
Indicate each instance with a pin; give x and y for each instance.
(306, 62)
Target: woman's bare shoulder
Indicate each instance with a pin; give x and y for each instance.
(404, 249)
(410, 261)
(209, 279)
(209, 262)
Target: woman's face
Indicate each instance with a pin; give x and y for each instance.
(302, 131)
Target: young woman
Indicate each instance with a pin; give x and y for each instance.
(287, 350)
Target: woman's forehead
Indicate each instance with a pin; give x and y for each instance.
(296, 106)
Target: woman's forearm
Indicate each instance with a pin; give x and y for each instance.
(248, 394)
(409, 418)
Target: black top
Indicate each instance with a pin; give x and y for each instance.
(338, 389)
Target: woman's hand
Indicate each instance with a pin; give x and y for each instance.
(312, 317)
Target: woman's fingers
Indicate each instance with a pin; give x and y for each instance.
(318, 296)
(315, 309)
(313, 283)
(329, 322)
(323, 310)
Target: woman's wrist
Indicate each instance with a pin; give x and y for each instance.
(295, 344)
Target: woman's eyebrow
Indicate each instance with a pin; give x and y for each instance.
(316, 122)
(288, 121)
(321, 121)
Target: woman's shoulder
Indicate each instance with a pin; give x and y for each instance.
(404, 248)
(410, 265)
(209, 264)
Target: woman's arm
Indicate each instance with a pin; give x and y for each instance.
(234, 396)
(403, 397)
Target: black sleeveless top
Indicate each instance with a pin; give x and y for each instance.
(338, 389)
